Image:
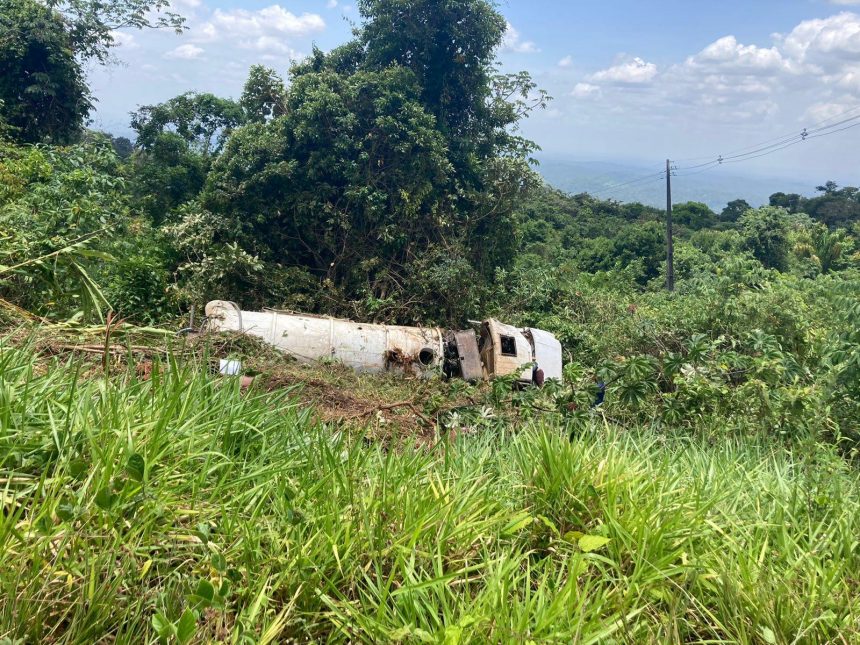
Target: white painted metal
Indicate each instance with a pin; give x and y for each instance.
(363, 347)
(379, 348)
(547, 352)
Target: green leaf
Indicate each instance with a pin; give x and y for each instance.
(186, 626)
(767, 635)
(105, 498)
(219, 562)
(573, 536)
(78, 469)
(517, 524)
(66, 512)
(205, 590)
(163, 627)
(589, 543)
(548, 523)
(136, 467)
(203, 532)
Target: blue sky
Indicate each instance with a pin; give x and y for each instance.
(632, 80)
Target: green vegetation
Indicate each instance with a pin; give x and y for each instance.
(711, 497)
(180, 506)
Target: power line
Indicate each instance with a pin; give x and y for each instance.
(755, 151)
(651, 177)
(779, 144)
(854, 125)
(777, 141)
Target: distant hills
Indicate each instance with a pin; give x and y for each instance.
(716, 187)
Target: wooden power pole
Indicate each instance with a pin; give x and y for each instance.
(670, 244)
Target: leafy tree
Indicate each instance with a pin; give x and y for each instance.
(176, 143)
(346, 184)
(694, 215)
(122, 146)
(734, 209)
(43, 94)
(203, 121)
(43, 91)
(791, 201)
(449, 46)
(90, 23)
(166, 175)
(264, 95)
(835, 207)
(394, 149)
(829, 188)
(766, 235)
(643, 245)
(824, 247)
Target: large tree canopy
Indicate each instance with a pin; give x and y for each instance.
(203, 121)
(43, 94)
(395, 159)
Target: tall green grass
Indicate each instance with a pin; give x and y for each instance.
(179, 507)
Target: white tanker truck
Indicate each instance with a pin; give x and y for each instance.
(495, 350)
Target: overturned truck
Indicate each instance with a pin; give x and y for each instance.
(495, 350)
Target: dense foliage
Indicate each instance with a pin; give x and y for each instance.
(386, 181)
(182, 509)
(43, 45)
(43, 93)
(70, 244)
(692, 480)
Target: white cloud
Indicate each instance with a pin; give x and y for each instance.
(244, 23)
(272, 29)
(567, 61)
(331, 4)
(585, 90)
(124, 39)
(727, 79)
(848, 78)
(632, 72)
(825, 43)
(731, 56)
(513, 42)
(185, 52)
(827, 110)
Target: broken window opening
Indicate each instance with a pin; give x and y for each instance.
(509, 345)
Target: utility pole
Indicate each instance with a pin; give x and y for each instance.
(670, 244)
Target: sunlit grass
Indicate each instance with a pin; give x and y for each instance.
(183, 506)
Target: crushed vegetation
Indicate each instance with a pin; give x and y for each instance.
(693, 480)
(178, 506)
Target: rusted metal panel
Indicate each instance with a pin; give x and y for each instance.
(470, 358)
(414, 349)
(505, 350)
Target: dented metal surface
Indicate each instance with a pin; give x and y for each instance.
(363, 347)
(503, 350)
(468, 356)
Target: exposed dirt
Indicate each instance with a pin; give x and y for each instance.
(382, 406)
